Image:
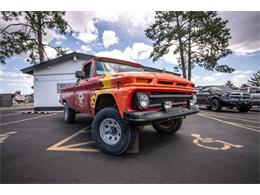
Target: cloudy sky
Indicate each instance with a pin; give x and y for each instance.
(121, 35)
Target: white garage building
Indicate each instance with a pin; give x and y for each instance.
(51, 76)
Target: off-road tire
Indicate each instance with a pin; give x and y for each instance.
(127, 134)
(215, 105)
(243, 108)
(172, 128)
(69, 114)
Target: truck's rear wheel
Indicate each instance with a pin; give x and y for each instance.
(68, 114)
(168, 127)
(111, 133)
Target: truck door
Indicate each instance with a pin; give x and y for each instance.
(203, 96)
(84, 88)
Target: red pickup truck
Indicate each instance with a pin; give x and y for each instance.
(121, 98)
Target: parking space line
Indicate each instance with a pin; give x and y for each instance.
(250, 126)
(57, 145)
(9, 114)
(79, 144)
(239, 119)
(230, 123)
(27, 119)
(230, 114)
(73, 147)
(5, 136)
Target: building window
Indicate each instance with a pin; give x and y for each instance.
(62, 85)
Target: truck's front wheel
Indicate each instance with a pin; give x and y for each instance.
(68, 114)
(170, 126)
(111, 133)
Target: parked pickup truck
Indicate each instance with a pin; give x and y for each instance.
(216, 97)
(255, 94)
(121, 98)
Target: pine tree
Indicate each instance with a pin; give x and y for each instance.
(230, 84)
(199, 38)
(255, 79)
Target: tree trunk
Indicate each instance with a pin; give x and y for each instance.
(181, 50)
(39, 37)
(189, 51)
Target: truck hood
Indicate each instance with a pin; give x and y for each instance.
(149, 79)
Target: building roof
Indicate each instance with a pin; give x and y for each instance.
(29, 70)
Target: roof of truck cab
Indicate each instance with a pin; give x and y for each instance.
(30, 69)
(118, 61)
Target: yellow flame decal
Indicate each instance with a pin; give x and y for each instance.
(93, 99)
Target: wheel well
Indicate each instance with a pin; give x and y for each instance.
(213, 98)
(105, 100)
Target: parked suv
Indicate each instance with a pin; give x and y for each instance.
(218, 96)
(255, 94)
(122, 98)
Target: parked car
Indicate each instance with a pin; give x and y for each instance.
(219, 96)
(255, 94)
(19, 98)
(123, 98)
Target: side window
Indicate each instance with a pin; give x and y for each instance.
(254, 90)
(206, 89)
(87, 71)
(244, 89)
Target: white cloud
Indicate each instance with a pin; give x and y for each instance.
(14, 77)
(52, 53)
(138, 51)
(84, 29)
(52, 35)
(86, 37)
(139, 18)
(237, 77)
(85, 48)
(108, 16)
(109, 38)
(114, 54)
(84, 22)
(170, 57)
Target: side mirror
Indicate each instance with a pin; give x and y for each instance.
(79, 74)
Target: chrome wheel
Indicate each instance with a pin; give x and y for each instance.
(110, 131)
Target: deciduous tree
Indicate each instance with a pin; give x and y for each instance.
(23, 32)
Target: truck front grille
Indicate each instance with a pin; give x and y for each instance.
(156, 99)
(237, 95)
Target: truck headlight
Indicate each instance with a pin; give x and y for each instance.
(143, 100)
(193, 100)
(225, 95)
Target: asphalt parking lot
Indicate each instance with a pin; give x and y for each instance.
(210, 148)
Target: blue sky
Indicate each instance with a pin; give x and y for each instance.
(121, 35)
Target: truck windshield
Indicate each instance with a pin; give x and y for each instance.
(221, 88)
(111, 67)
